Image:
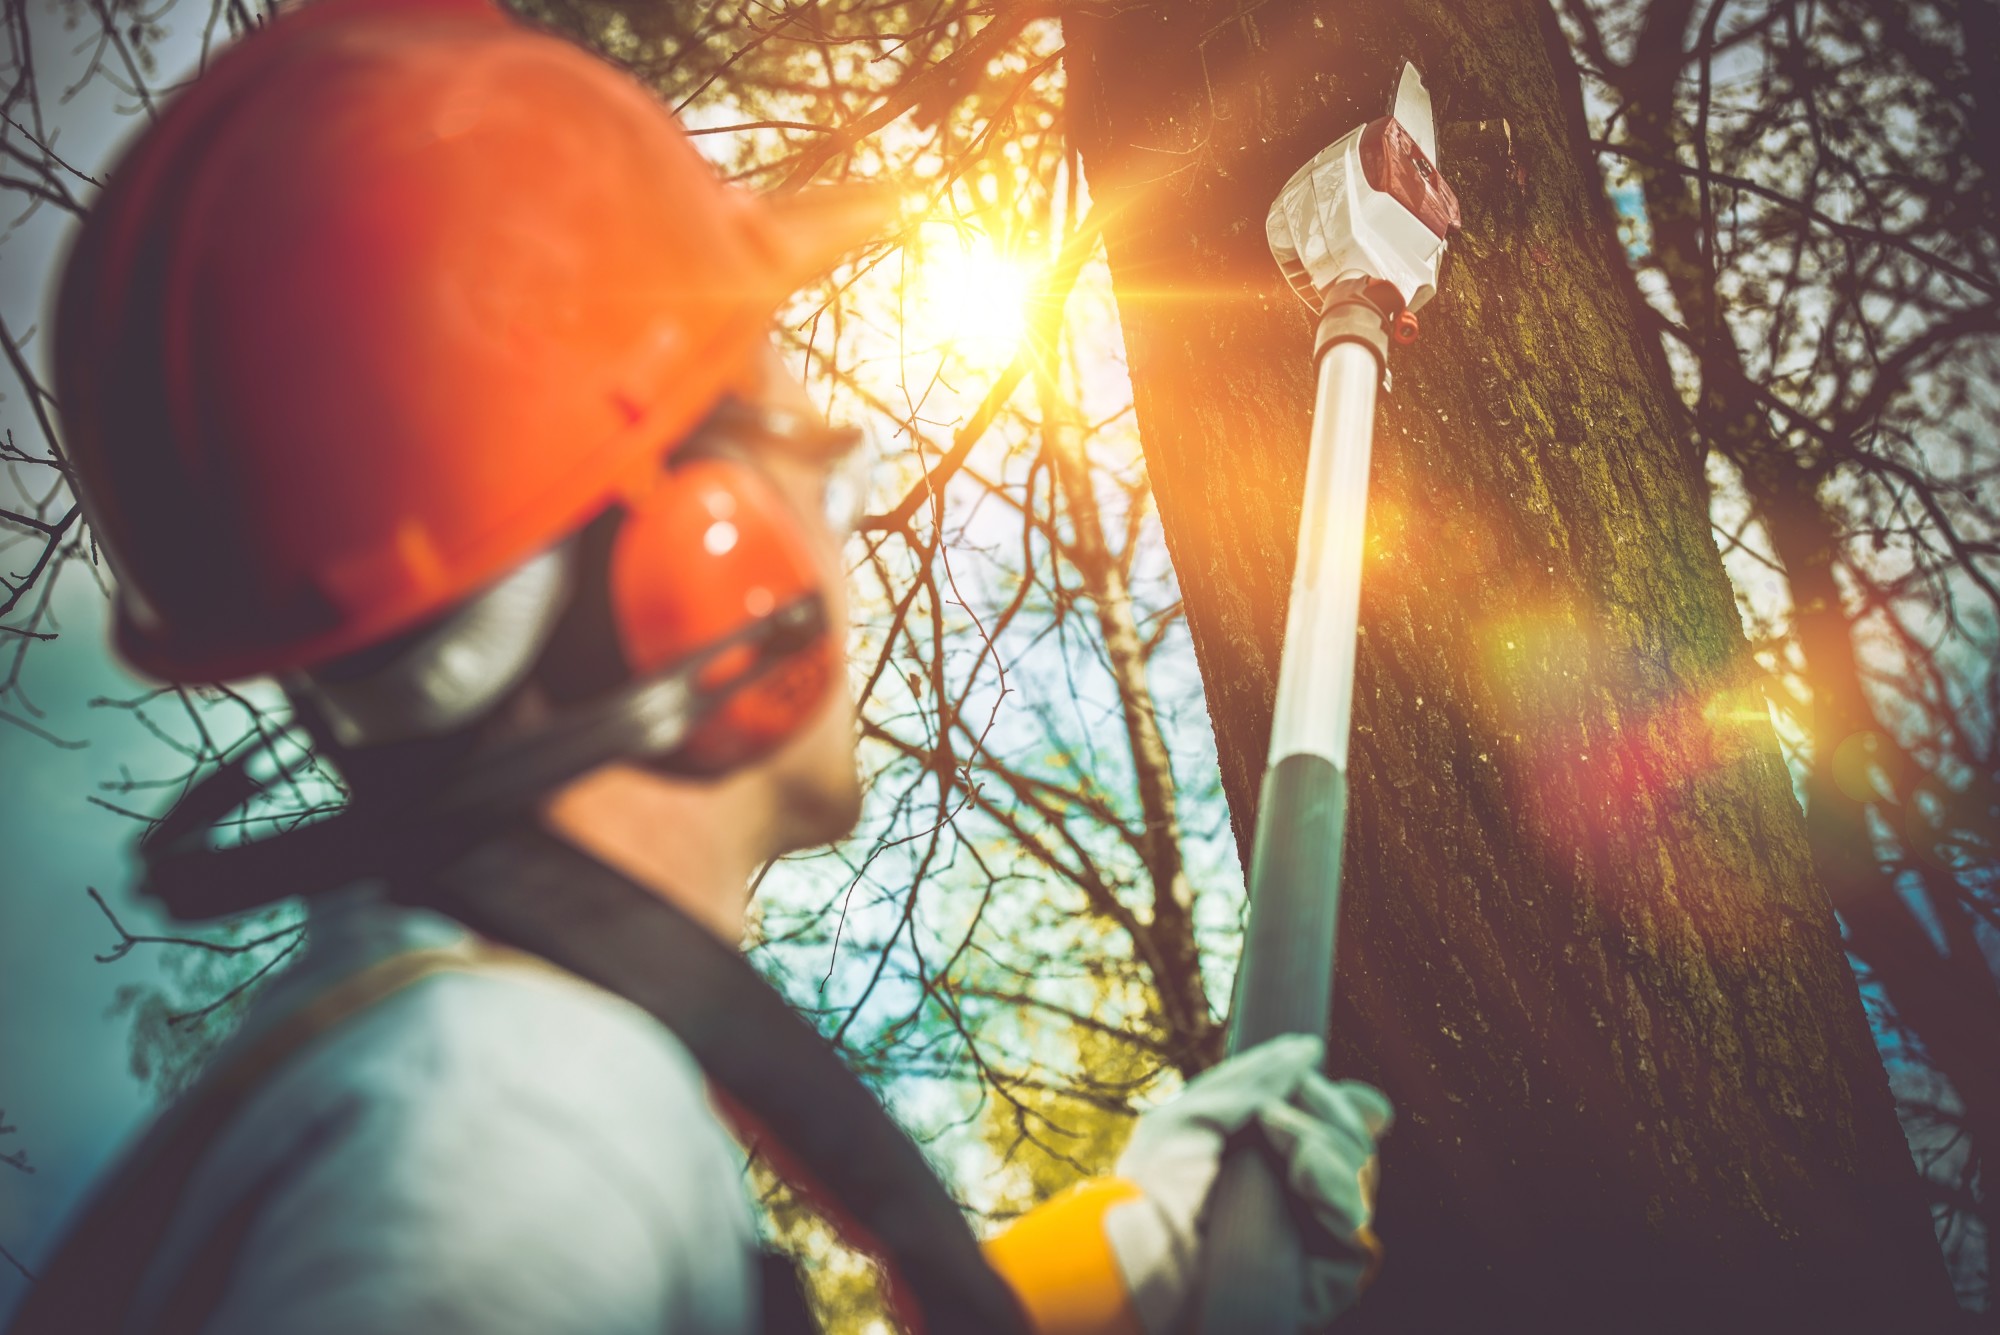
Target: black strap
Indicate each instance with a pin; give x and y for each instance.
(785, 1309)
(483, 790)
(531, 891)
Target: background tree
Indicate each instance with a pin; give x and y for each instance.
(1819, 188)
(16, 1161)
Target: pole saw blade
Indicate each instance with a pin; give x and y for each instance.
(1413, 111)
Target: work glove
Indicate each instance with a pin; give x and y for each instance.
(1124, 1254)
(1323, 1133)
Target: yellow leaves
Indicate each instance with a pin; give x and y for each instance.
(1048, 1137)
(843, 1285)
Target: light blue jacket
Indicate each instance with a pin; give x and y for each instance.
(481, 1152)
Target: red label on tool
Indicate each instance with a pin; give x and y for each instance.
(1393, 163)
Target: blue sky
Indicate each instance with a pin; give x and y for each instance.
(64, 1080)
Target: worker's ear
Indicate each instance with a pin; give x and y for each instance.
(815, 227)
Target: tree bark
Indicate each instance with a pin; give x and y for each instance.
(1941, 986)
(1583, 946)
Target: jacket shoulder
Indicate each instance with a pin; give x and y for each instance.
(484, 1135)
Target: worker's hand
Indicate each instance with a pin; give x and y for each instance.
(1324, 1133)
(1122, 1255)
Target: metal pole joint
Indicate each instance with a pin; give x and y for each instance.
(1367, 311)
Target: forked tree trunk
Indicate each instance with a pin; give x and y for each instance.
(1583, 946)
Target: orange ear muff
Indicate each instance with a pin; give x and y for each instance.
(710, 550)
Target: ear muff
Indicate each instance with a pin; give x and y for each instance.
(712, 548)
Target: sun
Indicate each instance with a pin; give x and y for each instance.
(966, 297)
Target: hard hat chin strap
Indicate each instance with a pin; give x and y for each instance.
(648, 719)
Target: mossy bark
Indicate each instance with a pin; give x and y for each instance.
(1582, 944)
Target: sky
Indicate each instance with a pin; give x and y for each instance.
(65, 1082)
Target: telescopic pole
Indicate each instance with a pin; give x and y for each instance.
(1254, 1279)
(1359, 232)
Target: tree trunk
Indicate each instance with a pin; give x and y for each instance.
(1583, 945)
(1946, 994)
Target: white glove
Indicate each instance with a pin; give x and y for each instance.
(1324, 1133)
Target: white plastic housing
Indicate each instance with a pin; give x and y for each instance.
(1329, 224)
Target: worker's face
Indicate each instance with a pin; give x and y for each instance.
(817, 782)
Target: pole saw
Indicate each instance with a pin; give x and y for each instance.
(1359, 232)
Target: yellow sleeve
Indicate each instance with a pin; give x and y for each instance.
(1059, 1261)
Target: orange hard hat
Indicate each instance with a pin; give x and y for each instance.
(395, 295)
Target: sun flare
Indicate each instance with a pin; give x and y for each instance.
(967, 297)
